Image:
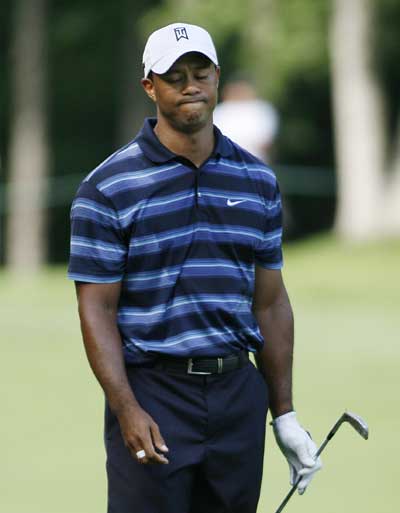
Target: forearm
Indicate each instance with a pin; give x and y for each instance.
(104, 351)
(275, 360)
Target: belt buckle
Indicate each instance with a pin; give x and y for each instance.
(191, 371)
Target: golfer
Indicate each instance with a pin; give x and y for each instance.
(176, 255)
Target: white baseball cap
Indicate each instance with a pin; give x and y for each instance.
(167, 44)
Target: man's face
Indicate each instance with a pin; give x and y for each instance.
(186, 94)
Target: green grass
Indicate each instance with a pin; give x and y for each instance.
(346, 305)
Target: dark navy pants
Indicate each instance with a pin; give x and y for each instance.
(214, 427)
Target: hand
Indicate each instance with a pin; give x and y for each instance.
(140, 432)
(298, 448)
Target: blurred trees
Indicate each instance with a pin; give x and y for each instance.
(29, 148)
(95, 102)
(368, 165)
(282, 46)
(132, 106)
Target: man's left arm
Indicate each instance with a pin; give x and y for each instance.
(274, 315)
(273, 312)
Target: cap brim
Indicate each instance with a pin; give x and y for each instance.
(163, 65)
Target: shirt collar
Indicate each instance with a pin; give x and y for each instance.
(155, 151)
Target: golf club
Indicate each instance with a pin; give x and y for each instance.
(355, 421)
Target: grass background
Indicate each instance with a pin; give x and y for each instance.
(346, 303)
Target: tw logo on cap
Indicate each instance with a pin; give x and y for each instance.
(180, 33)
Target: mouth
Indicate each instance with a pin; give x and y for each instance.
(194, 100)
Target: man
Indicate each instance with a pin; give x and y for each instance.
(176, 255)
(246, 119)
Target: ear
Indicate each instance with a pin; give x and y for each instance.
(218, 73)
(149, 89)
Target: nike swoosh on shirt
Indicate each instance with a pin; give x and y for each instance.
(231, 203)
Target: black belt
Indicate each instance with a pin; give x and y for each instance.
(202, 366)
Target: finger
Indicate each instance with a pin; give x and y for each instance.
(307, 475)
(293, 474)
(311, 470)
(302, 489)
(304, 456)
(140, 455)
(134, 445)
(305, 481)
(311, 448)
(158, 458)
(152, 456)
(158, 440)
(136, 453)
(142, 442)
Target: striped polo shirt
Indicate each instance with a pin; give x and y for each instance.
(183, 241)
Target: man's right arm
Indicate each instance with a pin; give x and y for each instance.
(98, 305)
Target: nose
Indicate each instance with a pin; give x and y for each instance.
(191, 85)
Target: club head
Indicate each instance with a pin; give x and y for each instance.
(357, 422)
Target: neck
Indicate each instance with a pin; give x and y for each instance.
(196, 147)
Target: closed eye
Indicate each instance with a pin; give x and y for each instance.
(172, 78)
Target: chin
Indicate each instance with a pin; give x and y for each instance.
(190, 121)
(194, 121)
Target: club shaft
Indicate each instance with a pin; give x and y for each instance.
(286, 499)
(356, 422)
(296, 484)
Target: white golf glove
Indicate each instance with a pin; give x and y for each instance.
(298, 448)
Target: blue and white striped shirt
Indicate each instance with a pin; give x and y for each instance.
(183, 241)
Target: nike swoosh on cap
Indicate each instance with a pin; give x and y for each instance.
(231, 203)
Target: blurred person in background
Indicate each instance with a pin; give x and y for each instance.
(246, 119)
(176, 255)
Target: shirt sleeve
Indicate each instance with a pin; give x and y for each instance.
(98, 249)
(268, 253)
